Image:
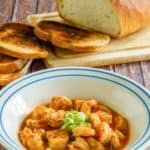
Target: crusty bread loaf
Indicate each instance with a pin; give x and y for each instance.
(18, 40)
(10, 64)
(117, 18)
(70, 38)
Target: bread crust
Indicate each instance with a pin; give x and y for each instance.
(22, 42)
(133, 15)
(21, 55)
(10, 65)
(7, 78)
(70, 38)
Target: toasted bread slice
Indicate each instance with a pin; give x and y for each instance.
(7, 78)
(18, 40)
(10, 64)
(62, 53)
(34, 19)
(70, 38)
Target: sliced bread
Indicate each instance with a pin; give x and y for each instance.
(7, 78)
(117, 18)
(70, 38)
(10, 64)
(63, 53)
(18, 40)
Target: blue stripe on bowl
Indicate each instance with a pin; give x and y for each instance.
(79, 69)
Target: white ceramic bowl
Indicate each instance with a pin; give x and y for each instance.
(116, 91)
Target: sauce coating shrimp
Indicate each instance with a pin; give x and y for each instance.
(115, 141)
(32, 139)
(78, 104)
(104, 116)
(104, 132)
(86, 108)
(57, 140)
(56, 118)
(79, 144)
(94, 144)
(78, 124)
(41, 112)
(83, 131)
(61, 102)
(95, 120)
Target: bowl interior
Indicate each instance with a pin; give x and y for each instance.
(24, 97)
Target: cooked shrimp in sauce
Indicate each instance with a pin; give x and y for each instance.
(78, 124)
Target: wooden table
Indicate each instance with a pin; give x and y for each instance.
(17, 10)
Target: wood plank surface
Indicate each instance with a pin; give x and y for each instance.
(131, 70)
(17, 10)
(6, 10)
(23, 8)
(146, 73)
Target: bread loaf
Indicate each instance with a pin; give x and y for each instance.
(117, 18)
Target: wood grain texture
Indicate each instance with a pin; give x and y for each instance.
(132, 71)
(23, 8)
(46, 6)
(146, 73)
(6, 10)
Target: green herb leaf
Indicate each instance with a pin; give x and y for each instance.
(73, 119)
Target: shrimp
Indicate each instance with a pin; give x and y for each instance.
(56, 118)
(104, 116)
(92, 102)
(71, 147)
(86, 108)
(61, 102)
(35, 142)
(36, 123)
(120, 124)
(78, 104)
(83, 131)
(104, 133)
(32, 139)
(94, 144)
(100, 107)
(115, 141)
(95, 120)
(24, 135)
(120, 134)
(79, 144)
(41, 112)
(57, 140)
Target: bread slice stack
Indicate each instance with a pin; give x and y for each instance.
(83, 33)
(18, 46)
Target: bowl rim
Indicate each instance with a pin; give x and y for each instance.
(45, 71)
